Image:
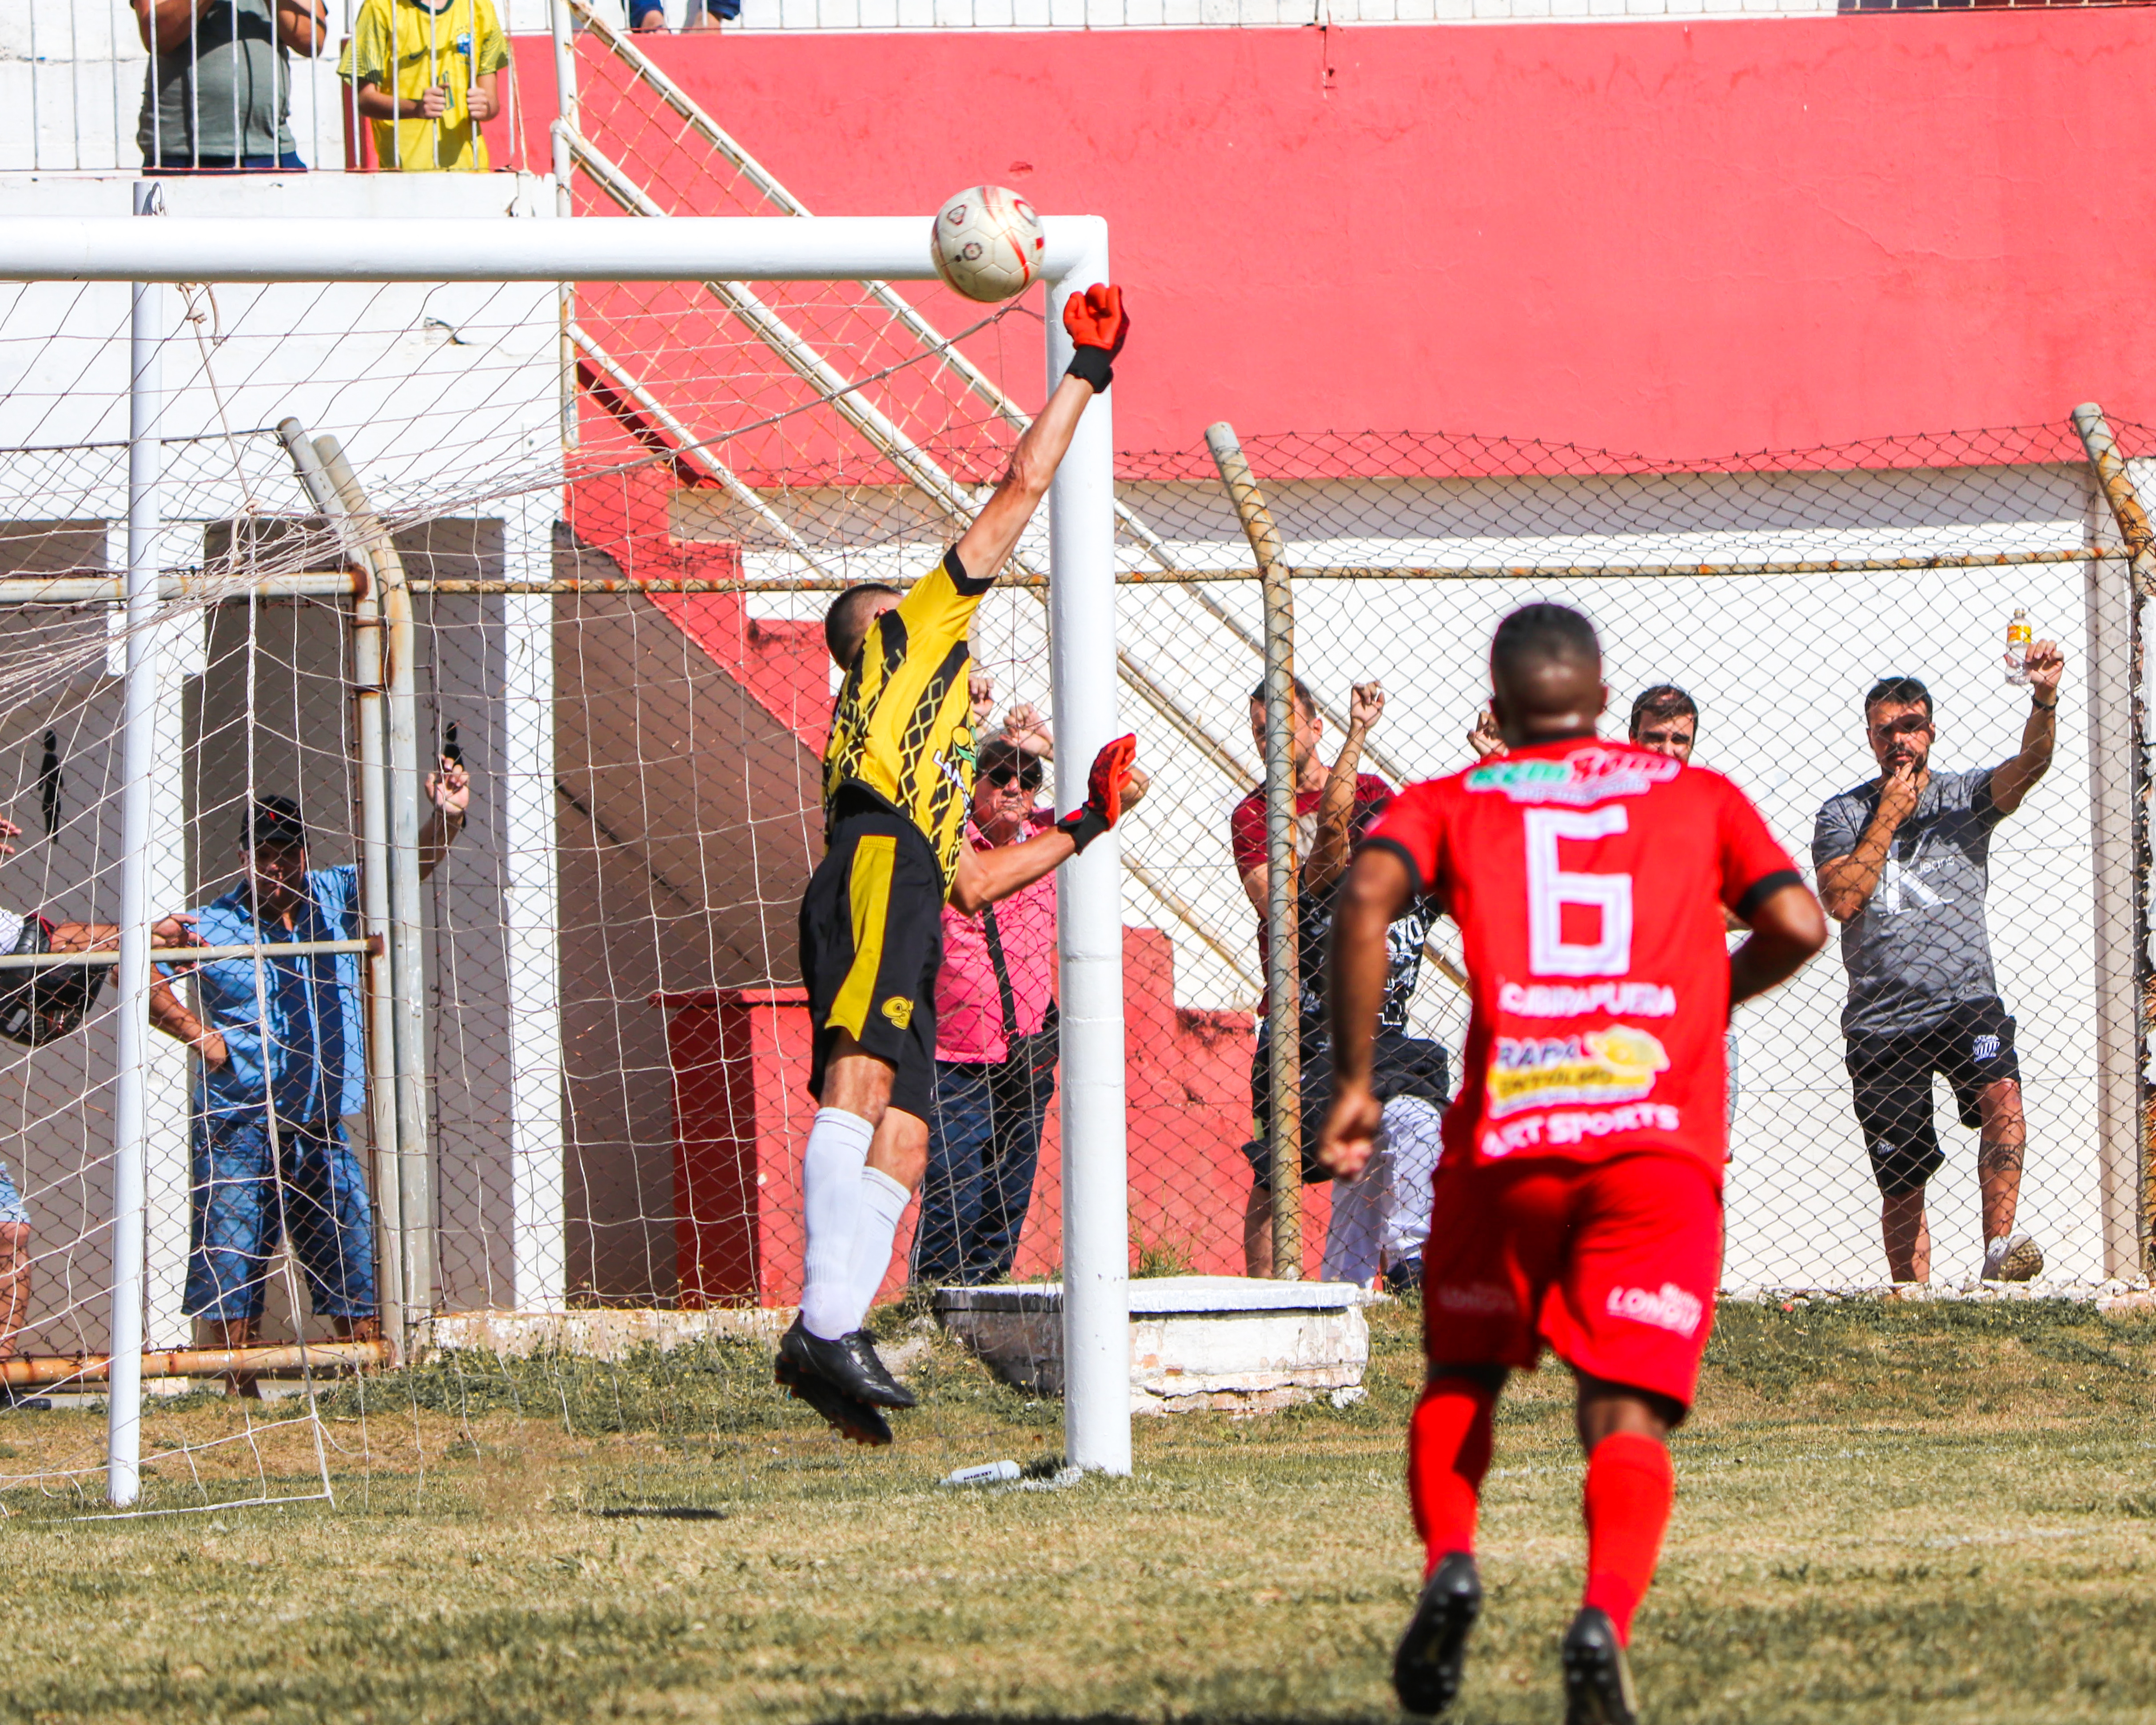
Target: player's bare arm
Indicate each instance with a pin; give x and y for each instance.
(1789, 929)
(2012, 780)
(1098, 326)
(1336, 807)
(986, 876)
(1377, 890)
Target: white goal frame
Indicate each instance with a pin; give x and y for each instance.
(1082, 626)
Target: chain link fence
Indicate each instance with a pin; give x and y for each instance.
(1775, 589)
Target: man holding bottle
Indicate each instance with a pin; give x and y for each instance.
(1903, 864)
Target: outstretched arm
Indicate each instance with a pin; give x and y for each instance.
(1335, 808)
(450, 792)
(2013, 780)
(1097, 327)
(985, 876)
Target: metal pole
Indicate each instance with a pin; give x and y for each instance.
(566, 122)
(415, 1174)
(2119, 783)
(1283, 973)
(1096, 1324)
(373, 880)
(123, 1429)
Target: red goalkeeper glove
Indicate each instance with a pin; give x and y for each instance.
(1099, 327)
(1104, 793)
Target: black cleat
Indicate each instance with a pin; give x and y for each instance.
(1426, 1669)
(1598, 1683)
(889, 1392)
(854, 1419)
(849, 1364)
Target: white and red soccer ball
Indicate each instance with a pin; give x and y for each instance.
(987, 244)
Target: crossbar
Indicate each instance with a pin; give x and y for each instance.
(677, 249)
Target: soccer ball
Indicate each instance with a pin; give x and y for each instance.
(987, 243)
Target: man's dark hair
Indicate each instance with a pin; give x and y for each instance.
(1542, 631)
(845, 624)
(272, 820)
(1000, 753)
(1902, 691)
(1664, 702)
(1303, 698)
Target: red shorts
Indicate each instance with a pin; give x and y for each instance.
(1612, 1266)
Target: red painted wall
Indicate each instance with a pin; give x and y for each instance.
(1680, 239)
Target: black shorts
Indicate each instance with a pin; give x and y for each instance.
(871, 941)
(1972, 1047)
(1400, 1065)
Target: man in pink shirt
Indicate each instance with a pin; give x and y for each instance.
(995, 1034)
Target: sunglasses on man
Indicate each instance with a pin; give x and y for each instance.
(1003, 778)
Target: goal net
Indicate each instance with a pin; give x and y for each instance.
(544, 1084)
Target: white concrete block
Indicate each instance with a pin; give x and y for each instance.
(1196, 1341)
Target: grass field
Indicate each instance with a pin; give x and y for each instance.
(1913, 1514)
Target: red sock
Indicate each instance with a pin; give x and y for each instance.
(1630, 1487)
(1448, 1454)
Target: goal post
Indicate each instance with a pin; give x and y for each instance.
(1081, 530)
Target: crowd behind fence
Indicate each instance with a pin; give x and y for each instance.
(683, 823)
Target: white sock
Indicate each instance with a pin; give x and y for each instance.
(881, 1202)
(831, 1169)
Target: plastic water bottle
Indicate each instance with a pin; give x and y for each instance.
(988, 1473)
(2017, 650)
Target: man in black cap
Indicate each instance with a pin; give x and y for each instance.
(283, 1058)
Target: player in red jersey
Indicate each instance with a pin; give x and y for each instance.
(1578, 1200)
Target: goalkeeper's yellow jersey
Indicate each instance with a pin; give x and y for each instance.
(903, 727)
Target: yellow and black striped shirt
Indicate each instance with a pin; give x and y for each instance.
(903, 727)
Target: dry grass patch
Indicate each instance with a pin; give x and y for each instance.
(1922, 1516)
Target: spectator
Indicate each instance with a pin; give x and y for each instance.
(1903, 864)
(995, 1029)
(218, 95)
(1666, 721)
(284, 1060)
(1331, 809)
(647, 15)
(425, 76)
(696, 14)
(38, 1006)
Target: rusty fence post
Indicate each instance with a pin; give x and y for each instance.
(1283, 971)
(2119, 787)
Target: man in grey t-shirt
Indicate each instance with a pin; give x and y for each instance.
(1903, 863)
(217, 95)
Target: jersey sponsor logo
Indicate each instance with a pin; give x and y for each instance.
(1569, 1127)
(1478, 1299)
(1615, 1065)
(1570, 1000)
(1587, 775)
(899, 1010)
(1668, 1308)
(961, 749)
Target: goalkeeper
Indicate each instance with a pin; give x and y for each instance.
(898, 780)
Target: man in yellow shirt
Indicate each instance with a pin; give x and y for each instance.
(898, 777)
(426, 76)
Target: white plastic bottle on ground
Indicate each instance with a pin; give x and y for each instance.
(2017, 649)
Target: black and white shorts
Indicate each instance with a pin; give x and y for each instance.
(1971, 1048)
(871, 942)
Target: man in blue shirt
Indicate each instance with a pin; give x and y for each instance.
(283, 1048)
